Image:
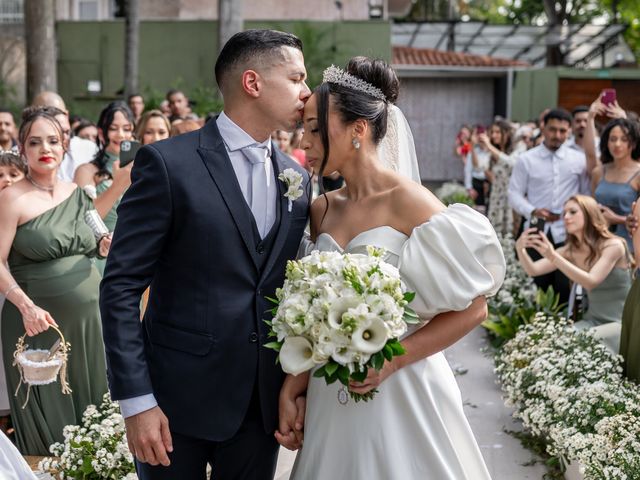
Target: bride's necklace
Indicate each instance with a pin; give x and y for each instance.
(44, 188)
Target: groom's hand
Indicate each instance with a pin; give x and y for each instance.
(149, 437)
(290, 433)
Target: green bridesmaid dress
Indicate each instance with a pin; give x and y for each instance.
(50, 261)
(112, 215)
(630, 336)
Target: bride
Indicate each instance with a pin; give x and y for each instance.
(415, 426)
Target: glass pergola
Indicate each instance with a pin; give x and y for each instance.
(579, 44)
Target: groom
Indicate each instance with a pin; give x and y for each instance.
(206, 225)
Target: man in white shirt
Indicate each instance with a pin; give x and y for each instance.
(543, 179)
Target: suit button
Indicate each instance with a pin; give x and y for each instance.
(259, 292)
(260, 249)
(253, 337)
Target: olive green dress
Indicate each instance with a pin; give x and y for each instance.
(112, 215)
(50, 261)
(630, 337)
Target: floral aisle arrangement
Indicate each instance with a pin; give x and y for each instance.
(342, 312)
(452, 192)
(96, 450)
(518, 299)
(568, 389)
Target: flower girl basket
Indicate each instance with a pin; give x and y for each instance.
(41, 367)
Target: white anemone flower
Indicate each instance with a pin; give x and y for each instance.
(296, 355)
(338, 308)
(370, 337)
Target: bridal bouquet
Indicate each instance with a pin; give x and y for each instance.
(344, 312)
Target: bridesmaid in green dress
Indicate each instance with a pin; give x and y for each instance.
(51, 280)
(630, 337)
(103, 178)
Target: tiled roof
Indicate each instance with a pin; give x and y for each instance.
(432, 57)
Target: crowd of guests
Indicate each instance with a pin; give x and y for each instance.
(565, 185)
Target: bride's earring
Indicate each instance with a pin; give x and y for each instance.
(356, 143)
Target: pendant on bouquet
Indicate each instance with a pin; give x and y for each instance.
(343, 396)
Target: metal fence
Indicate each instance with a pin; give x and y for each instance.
(11, 11)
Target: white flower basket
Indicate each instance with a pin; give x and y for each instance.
(36, 368)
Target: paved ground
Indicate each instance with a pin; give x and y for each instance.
(506, 459)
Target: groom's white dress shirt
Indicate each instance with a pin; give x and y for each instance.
(240, 147)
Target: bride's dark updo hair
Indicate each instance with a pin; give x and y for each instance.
(353, 104)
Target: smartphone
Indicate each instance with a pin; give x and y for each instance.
(537, 223)
(608, 96)
(480, 129)
(128, 150)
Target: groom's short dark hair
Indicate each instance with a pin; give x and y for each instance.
(251, 45)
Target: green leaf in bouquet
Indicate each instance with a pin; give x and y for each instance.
(273, 300)
(343, 375)
(274, 346)
(377, 360)
(409, 296)
(331, 378)
(360, 375)
(331, 368)
(268, 322)
(410, 317)
(397, 347)
(387, 351)
(321, 372)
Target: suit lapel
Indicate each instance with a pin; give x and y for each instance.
(217, 161)
(285, 216)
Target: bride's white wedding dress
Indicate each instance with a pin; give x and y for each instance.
(415, 427)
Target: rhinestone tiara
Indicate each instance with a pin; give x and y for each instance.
(338, 76)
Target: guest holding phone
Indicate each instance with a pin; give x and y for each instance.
(475, 170)
(592, 257)
(542, 180)
(104, 178)
(615, 177)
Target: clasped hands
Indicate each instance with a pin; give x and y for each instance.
(290, 433)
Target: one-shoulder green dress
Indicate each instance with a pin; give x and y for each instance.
(50, 260)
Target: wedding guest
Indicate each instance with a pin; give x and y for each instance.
(51, 280)
(522, 139)
(542, 180)
(184, 126)
(102, 177)
(179, 106)
(463, 144)
(297, 152)
(580, 118)
(136, 104)
(78, 151)
(615, 182)
(630, 336)
(7, 130)
(87, 130)
(592, 257)
(475, 168)
(153, 126)
(12, 169)
(499, 145)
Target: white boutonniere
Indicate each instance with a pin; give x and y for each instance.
(293, 181)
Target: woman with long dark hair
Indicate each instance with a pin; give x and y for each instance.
(499, 144)
(103, 178)
(615, 180)
(418, 401)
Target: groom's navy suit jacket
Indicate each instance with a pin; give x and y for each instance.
(185, 229)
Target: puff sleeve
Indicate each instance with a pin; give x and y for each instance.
(450, 260)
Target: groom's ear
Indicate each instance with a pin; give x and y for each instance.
(251, 83)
